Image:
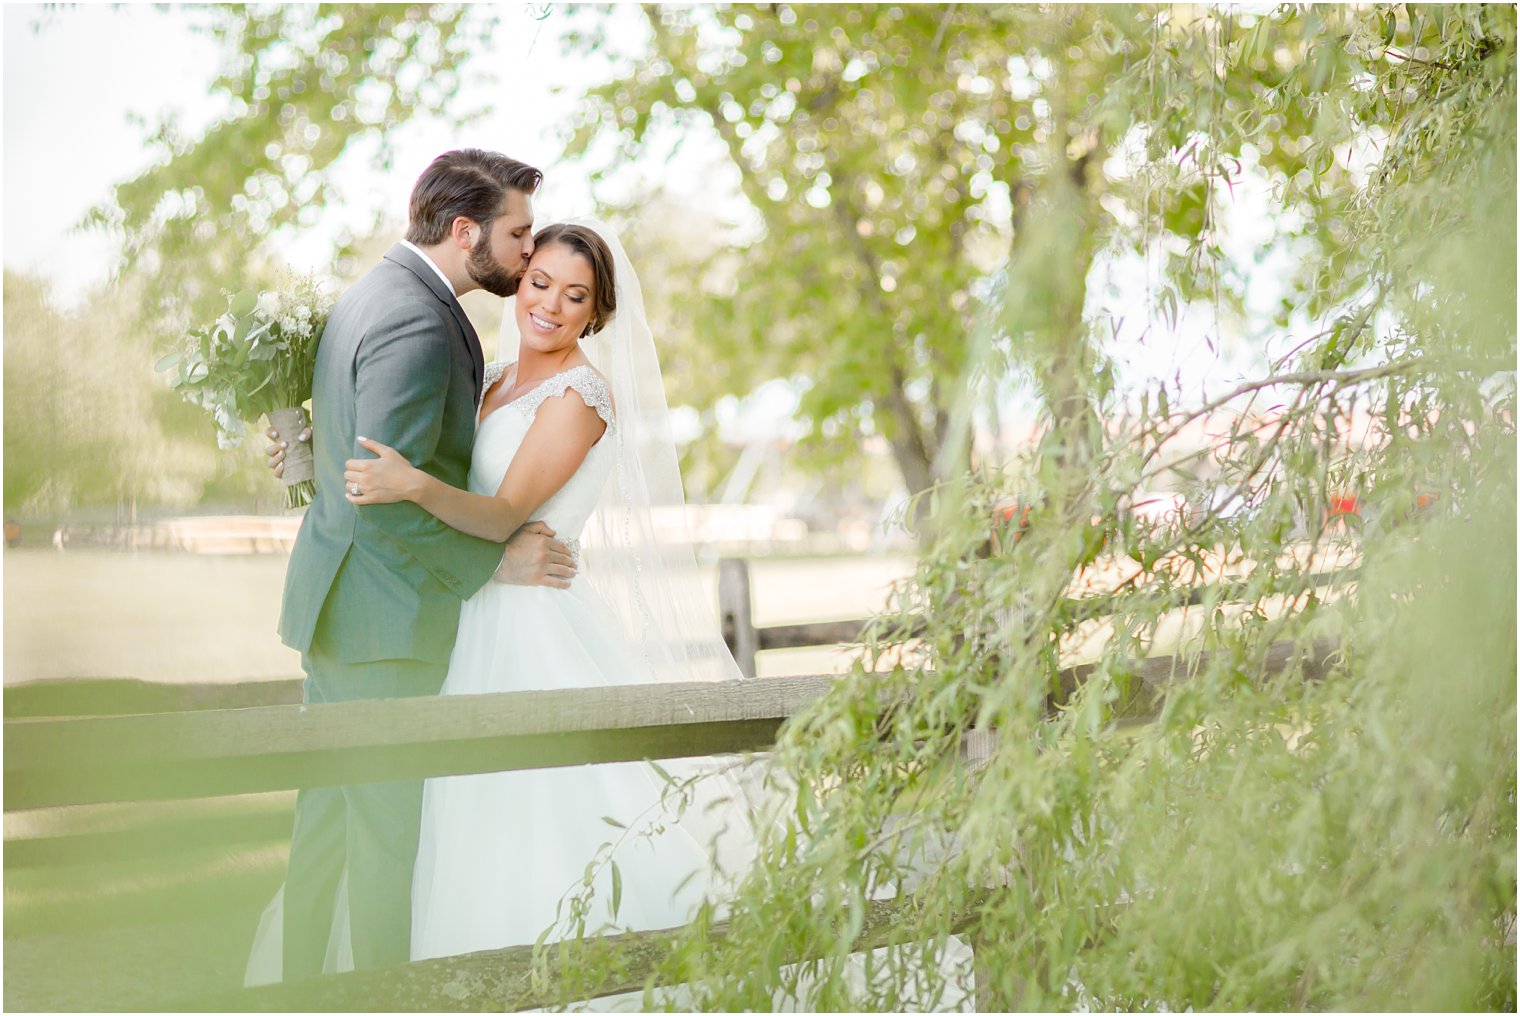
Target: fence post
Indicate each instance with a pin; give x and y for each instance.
(737, 618)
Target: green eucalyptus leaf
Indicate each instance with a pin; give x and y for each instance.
(242, 304)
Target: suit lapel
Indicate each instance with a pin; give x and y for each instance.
(409, 259)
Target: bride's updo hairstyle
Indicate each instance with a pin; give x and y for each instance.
(589, 245)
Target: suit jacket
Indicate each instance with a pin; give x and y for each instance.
(399, 363)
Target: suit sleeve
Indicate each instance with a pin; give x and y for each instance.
(401, 384)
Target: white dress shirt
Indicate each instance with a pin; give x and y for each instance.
(431, 264)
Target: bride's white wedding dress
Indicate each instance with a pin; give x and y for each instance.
(500, 851)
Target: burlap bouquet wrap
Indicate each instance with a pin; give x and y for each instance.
(300, 472)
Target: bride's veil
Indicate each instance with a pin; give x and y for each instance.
(637, 555)
(636, 550)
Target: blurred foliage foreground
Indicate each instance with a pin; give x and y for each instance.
(1264, 842)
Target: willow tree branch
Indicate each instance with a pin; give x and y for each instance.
(1310, 378)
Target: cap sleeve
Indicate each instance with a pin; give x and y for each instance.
(584, 381)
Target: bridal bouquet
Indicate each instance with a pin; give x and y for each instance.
(257, 359)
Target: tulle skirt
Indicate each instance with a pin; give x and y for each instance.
(505, 858)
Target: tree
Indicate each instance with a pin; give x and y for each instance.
(1264, 842)
(304, 84)
(87, 420)
(900, 157)
(890, 153)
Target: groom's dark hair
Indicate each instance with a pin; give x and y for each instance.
(471, 182)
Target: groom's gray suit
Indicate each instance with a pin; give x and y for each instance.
(373, 593)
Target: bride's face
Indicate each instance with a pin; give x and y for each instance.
(555, 299)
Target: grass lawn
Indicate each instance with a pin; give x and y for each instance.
(184, 617)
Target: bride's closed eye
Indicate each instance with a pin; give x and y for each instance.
(573, 298)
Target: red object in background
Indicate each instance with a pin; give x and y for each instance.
(1341, 506)
(1003, 519)
(1344, 507)
(1006, 513)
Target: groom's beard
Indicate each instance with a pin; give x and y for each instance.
(487, 273)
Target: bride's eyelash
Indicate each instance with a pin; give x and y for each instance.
(536, 284)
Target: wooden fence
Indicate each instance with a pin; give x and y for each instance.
(204, 741)
(745, 639)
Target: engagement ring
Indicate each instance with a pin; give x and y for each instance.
(353, 488)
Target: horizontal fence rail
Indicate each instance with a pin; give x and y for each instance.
(115, 696)
(745, 639)
(212, 752)
(502, 980)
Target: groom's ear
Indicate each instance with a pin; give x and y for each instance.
(465, 232)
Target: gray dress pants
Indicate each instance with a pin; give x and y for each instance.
(369, 828)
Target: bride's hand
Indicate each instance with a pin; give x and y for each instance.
(385, 480)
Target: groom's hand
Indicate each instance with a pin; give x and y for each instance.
(276, 451)
(535, 558)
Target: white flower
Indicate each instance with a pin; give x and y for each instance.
(269, 304)
(304, 313)
(287, 325)
(229, 429)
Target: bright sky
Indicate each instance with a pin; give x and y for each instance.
(85, 85)
(72, 77)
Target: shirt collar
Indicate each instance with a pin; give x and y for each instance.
(431, 264)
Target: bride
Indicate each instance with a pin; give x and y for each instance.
(574, 433)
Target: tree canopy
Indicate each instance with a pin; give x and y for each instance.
(1265, 841)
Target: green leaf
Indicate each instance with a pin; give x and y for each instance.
(243, 304)
(165, 362)
(617, 888)
(268, 380)
(1326, 56)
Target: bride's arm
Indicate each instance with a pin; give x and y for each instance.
(562, 432)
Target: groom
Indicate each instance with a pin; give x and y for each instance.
(373, 592)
